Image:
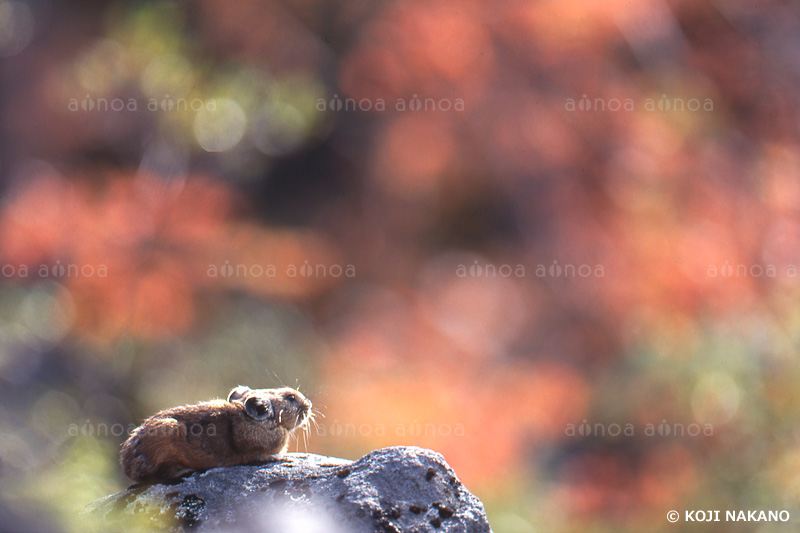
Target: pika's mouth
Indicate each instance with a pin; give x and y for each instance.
(303, 415)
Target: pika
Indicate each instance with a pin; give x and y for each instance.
(251, 426)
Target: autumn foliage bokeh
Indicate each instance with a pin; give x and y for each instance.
(500, 230)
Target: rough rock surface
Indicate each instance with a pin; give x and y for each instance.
(397, 489)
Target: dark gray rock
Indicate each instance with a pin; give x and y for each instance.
(398, 489)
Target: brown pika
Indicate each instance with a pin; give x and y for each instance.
(251, 426)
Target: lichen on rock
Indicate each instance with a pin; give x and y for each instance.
(396, 489)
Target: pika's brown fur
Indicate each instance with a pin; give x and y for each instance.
(250, 426)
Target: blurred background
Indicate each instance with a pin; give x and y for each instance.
(556, 241)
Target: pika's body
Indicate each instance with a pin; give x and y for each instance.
(251, 426)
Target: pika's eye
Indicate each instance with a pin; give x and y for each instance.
(291, 397)
(257, 408)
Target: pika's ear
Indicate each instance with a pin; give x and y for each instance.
(258, 409)
(238, 393)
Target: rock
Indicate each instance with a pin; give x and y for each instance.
(397, 489)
